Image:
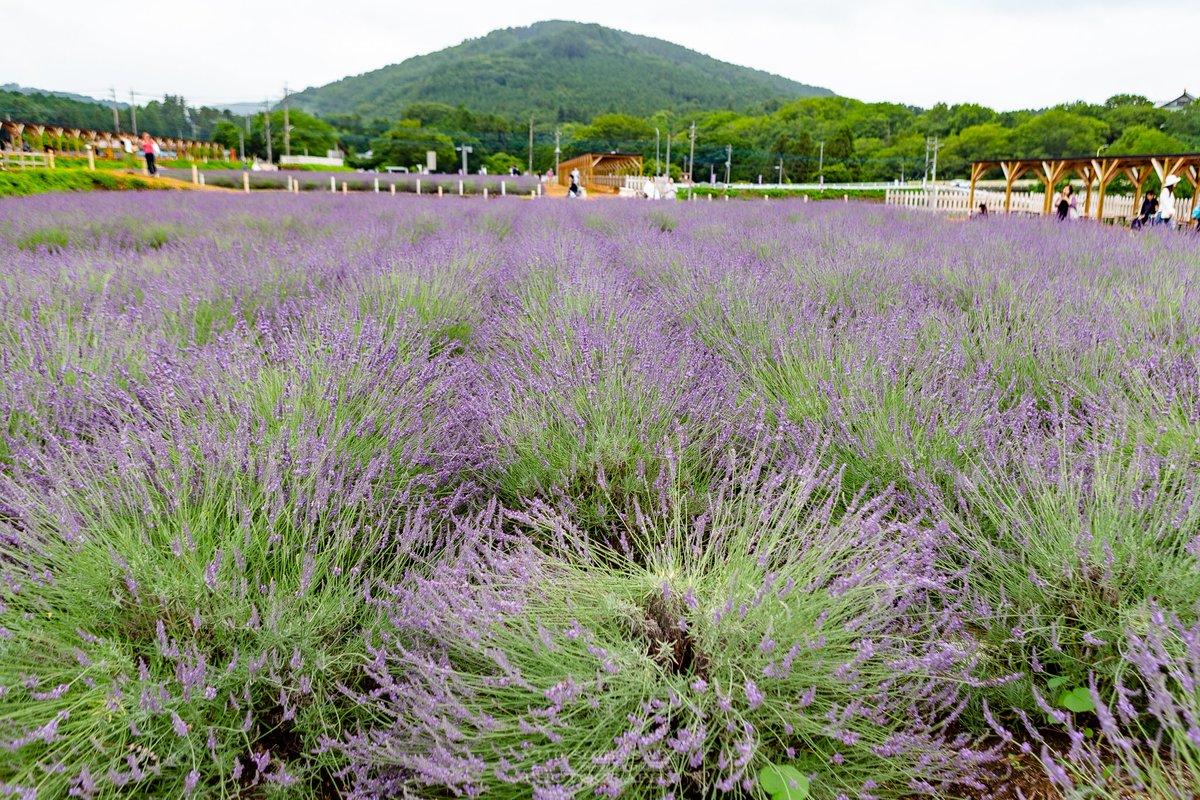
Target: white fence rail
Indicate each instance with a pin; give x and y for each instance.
(953, 200)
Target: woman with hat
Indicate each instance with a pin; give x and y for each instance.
(1166, 202)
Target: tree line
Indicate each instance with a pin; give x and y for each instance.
(835, 137)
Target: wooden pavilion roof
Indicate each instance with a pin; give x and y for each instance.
(590, 164)
(1099, 170)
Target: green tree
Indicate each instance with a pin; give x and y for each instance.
(976, 143)
(1057, 133)
(1140, 140)
(308, 135)
(617, 130)
(501, 163)
(406, 143)
(967, 115)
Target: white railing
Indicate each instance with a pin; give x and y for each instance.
(952, 200)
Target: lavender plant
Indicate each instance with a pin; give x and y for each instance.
(368, 495)
(766, 631)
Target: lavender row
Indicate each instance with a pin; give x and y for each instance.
(363, 497)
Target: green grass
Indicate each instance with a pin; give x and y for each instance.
(38, 181)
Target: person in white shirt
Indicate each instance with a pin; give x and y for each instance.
(1166, 202)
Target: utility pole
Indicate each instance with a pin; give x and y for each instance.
(465, 149)
(670, 133)
(781, 170)
(287, 129)
(692, 154)
(133, 111)
(116, 116)
(531, 145)
(925, 175)
(728, 162)
(557, 150)
(267, 117)
(657, 160)
(821, 166)
(242, 145)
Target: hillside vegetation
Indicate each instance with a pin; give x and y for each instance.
(567, 71)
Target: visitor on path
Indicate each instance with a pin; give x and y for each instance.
(573, 189)
(1065, 203)
(1166, 203)
(1149, 209)
(148, 148)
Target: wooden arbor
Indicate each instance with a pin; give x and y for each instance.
(1098, 171)
(604, 168)
(39, 137)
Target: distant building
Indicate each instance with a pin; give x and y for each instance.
(1183, 101)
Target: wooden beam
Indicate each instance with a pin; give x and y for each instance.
(977, 171)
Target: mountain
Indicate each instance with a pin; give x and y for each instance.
(81, 98)
(241, 109)
(565, 71)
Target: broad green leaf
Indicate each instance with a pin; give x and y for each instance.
(1078, 700)
(1054, 683)
(783, 782)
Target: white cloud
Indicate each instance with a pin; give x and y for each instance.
(1003, 53)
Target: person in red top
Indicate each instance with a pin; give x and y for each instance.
(148, 151)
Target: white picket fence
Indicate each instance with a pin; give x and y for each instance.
(953, 200)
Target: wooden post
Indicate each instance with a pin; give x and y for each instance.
(195, 175)
(418, 187)
(50, 158)
(503, 191)
(91, 151)
(393, 189)
(439, 190)
(332, 184)
(1138, 176)
(377, 186)
(345, 188)
(485, 193)
(202, 179)
(1087, 175)
(977, 171)
(246, 182)
(460, 188)
(1012, 171)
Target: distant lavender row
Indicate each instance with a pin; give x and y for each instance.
(361, 181)
(372, 497)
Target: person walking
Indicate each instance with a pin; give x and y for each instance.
(1166, 203)
(147, 145)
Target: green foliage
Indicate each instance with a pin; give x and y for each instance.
(406, 143)
(1140, 140)
(501, 163)
(1078, 700)
(1058, 133)
(309, 134)
(66, 180)
(783, 782)
(556, 71)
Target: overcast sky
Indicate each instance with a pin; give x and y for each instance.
(1002, 53)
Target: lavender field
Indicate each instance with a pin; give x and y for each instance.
(378, 496)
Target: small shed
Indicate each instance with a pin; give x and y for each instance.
(603, 169)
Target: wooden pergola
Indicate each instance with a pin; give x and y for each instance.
(597, 165)
(63, 140)
(1098, 171)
